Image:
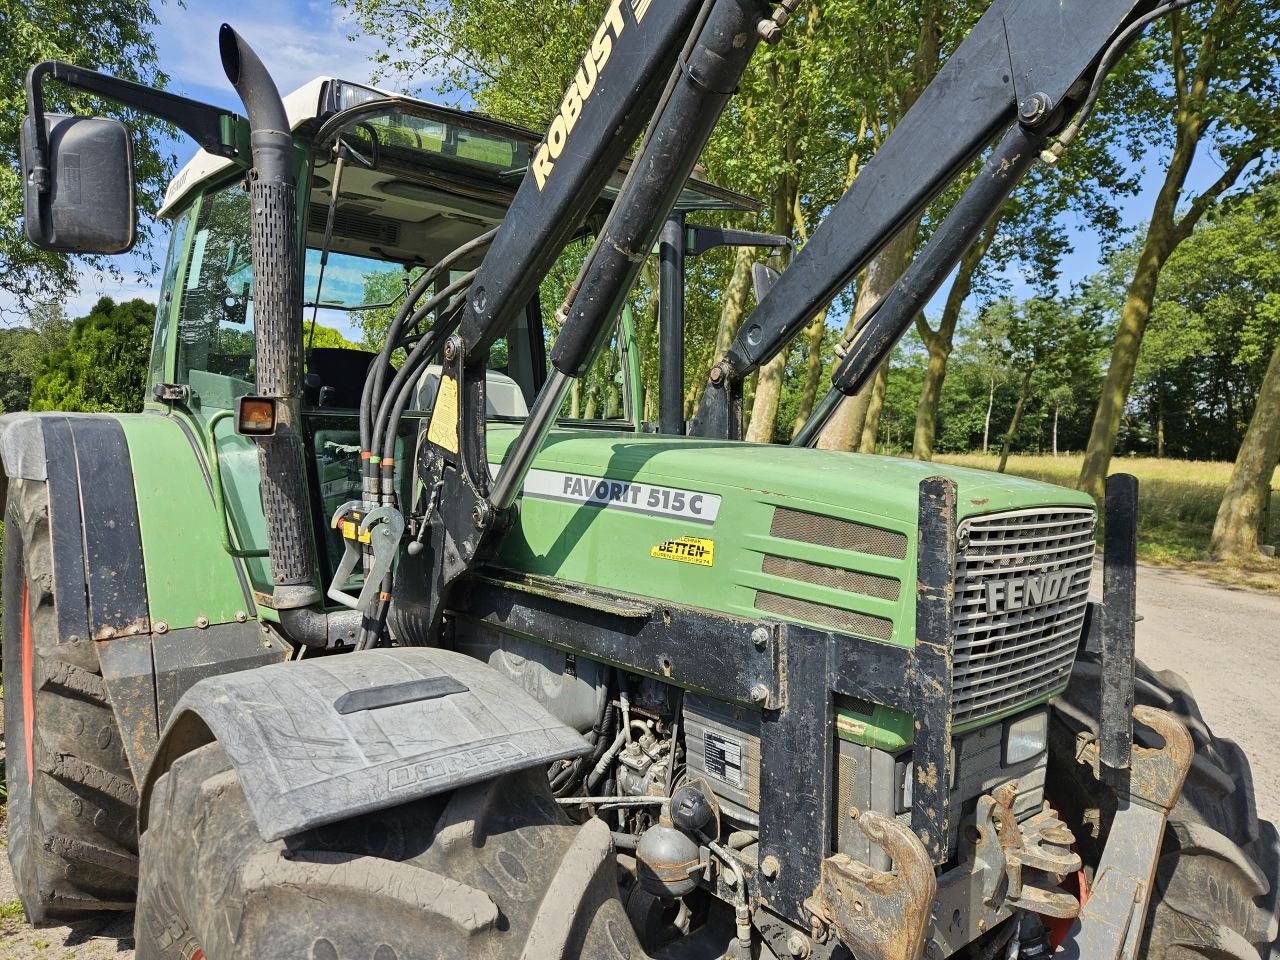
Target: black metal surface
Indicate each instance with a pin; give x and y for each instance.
(671, 251)
(705, 81)
(202, 122)
(184, 657)
(700, 239)
(630, 62)
(685, 646)
(69, 577)
(99, 578)
(1006, 167)
(1119, 581)
(795, 794)
(278, 319)
(982, 88)
(117, 581)
(790, 671)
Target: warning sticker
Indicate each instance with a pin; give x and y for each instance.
(609, 494)
(722, 757)
(443, 431)
(686, 550)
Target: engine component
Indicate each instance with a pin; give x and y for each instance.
(668, 861)
(693, 809)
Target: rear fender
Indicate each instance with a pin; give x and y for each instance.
(138, 564)
(323, 740)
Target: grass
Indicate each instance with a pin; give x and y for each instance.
(1178, 501)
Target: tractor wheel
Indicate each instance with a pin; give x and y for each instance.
(72, 802)
(1216, 878)
(493, 870)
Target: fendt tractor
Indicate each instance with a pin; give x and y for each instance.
(334, 654)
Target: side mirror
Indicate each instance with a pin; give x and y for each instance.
(763, 277)
(78, 187)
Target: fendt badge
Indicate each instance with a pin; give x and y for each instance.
(1019, 593)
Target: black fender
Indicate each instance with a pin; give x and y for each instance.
(323, 740)
(96, 521)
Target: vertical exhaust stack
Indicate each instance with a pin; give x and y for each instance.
(278, 322)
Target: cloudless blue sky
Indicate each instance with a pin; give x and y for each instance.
(302, 39)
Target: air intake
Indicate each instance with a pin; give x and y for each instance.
(354, 225)
(846, 621)
(837, 534)
(820, 575)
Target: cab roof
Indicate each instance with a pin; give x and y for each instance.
(314, 103)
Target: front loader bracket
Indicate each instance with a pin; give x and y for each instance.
(878, 915)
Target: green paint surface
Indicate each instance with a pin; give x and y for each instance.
(189, 575)
(611, 548)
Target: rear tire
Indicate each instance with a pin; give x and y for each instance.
(1216, 878)
(491, 871)
(72, 801)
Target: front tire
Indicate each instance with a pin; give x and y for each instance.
(1216, 877)
(490, 871)
(72, 801)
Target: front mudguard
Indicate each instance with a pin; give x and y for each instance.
(328, 739)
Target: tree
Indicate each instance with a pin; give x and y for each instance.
(114, 36)
(103, 367)
(1209, 77)
(22, 349)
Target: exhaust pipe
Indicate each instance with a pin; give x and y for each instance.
(278, 347)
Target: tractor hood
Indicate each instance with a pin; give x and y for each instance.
(742, 528)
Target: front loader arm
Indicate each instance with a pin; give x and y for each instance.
(1022, 64)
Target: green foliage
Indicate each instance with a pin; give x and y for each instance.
(23, 349)
(1213, 329)
(114, 36)
(103, 367)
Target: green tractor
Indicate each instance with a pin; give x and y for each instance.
(334, 653)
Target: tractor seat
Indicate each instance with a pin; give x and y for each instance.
(503, 396)
(335, 376)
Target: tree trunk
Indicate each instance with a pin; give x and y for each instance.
(845, 427)
(939, 344)
(1124, 358)
(575, 399)
(1017, 417)
(875, 407)
(1160, 424)
(813, 369)
(1165, 232)
(1235, 531)
(764, 407)
(986, 424)
(733, 307)
(1055, 429)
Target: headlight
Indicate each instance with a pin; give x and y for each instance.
(1026, 737)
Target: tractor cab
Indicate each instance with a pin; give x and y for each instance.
(391, 185)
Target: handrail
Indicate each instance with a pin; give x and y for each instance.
(219, 497)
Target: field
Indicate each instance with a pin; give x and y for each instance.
(1178, 500)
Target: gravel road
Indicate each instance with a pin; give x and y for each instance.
(1225, 640)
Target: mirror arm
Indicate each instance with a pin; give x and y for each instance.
(209, 126)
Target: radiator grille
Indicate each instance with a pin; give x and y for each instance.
(1022, 584)
(836, 533)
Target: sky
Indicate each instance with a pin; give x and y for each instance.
(301, 39)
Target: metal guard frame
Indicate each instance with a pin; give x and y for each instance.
(791, 671)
